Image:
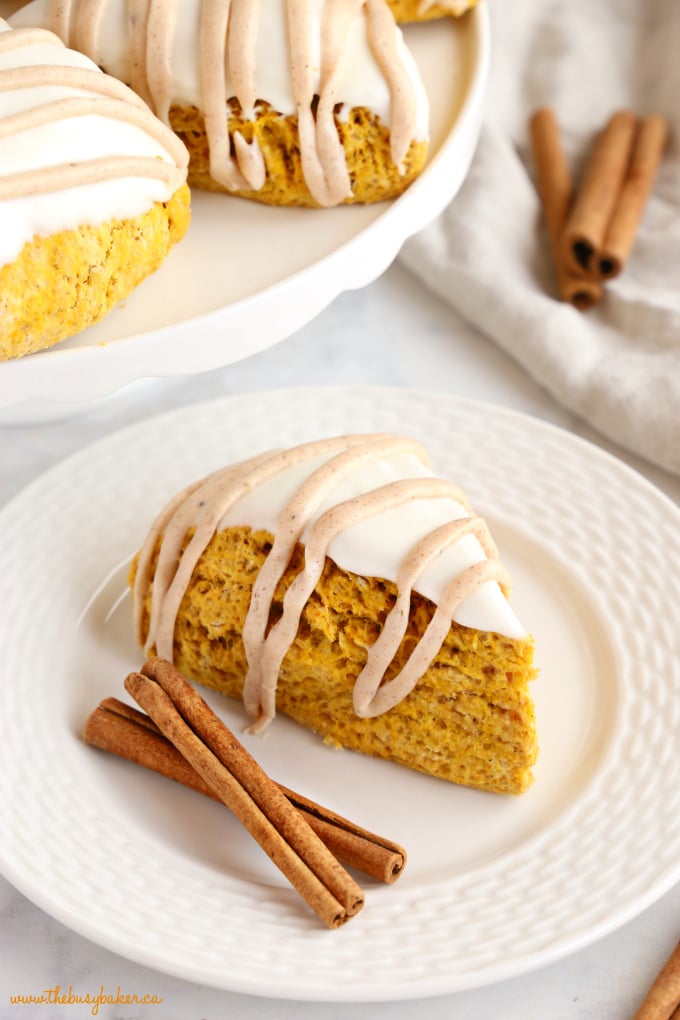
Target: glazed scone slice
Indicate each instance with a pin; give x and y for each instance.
(289, 102)
(93, 191)
(343, 584)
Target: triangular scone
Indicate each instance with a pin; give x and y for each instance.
(345, 585)
(93, 191)
(289, 102)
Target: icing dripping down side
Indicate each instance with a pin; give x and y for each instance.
(67, 127)
(312, 59)
(368, 502)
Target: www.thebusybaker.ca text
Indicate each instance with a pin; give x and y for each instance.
(58, 997)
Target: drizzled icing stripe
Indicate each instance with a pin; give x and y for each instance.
(65, 175)
(293, 521)
(246, 169)
(260, 685)
(86, 30)
(203, 510)
(60, 18)
(106, 98)
(321, 152)
(138, 17)
(310, 517)
(160, 32)
(403, 101)
(371, 697)
(228, 52)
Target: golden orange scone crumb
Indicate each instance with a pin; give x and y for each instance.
(61, 284)
(470, 719)
(365, 139)
(414, 10)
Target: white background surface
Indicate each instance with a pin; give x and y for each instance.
(391, 333)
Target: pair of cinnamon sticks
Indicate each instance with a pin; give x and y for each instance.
(181, 737)
(592, 230)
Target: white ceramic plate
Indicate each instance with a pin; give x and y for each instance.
(246, 276)
(494, 886)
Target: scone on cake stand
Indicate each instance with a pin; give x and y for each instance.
(93, 191)
(285, 264)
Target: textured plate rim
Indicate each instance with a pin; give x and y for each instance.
(499, 970)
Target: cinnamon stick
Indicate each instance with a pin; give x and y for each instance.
(663, 997)
(225, 765)
(367, 852)
(555, 190)
(593, 208)
(125, 731)
(621, 232)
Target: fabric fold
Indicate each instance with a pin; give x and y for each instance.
(617, 366)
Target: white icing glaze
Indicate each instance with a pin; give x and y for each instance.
(64, 126)
(369, 503)
(283, 52)
(375, 547)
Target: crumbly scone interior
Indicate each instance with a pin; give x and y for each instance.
(469, 719)
(406, 11)
(365, 140)
(74, 278)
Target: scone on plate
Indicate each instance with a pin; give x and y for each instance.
(344, 584)
(93, 191)
(309, 104)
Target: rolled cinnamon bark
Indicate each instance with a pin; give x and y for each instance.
(647, 154)
(594, 205)
(208, 745)
(663, 997)
(120, 729)
(555, 189)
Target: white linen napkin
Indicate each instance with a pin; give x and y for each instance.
(617, 366)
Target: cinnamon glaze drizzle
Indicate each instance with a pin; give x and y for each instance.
(94, 94)
(228, 68)
(203, 506)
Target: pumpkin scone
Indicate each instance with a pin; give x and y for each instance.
(287, 102)
(93, 191)
(344, 584)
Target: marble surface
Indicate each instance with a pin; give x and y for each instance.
(392, 333)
